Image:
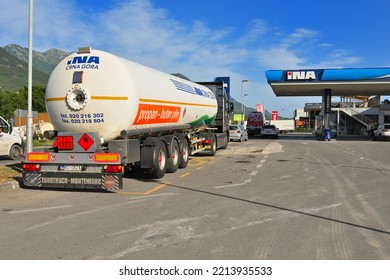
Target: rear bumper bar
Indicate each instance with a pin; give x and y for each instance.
(72, 180)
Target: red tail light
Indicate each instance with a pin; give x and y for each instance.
(31, 167)
(207, 141)
(112, 169)
(54, 145)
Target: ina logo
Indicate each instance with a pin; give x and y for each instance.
(83, 62)
(83, 59)
(301, 75)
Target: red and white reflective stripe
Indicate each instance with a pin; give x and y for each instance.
(106, 157)
(38, 157)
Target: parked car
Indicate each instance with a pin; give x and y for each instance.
(270, 130)
(382, 131)
(10, 141)
(238, 133)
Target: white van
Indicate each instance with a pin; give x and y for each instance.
(10, 141)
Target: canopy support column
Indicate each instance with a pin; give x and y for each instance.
(326, 107)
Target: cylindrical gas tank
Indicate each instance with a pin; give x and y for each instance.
(95, 91)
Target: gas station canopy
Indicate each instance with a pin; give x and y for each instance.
(341, 82)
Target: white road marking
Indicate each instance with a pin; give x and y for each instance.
(78, 214)
(39, 209)
(152, 195)
(161, 233)
(229, 186)
(253, 173)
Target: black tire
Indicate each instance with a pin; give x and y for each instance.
(159, 160)
(174, 157)
(184, 154)
(226, 142)
(16, 152)
(213, 146)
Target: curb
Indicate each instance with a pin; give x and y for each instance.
(11, 185)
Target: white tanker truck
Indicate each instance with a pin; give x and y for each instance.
(113, 115)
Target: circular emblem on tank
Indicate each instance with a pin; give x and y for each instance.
(77, 98)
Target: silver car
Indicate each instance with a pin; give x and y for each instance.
(238, 133)
(382, 132)
(269, 130)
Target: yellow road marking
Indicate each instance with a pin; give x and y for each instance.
(185, 175)
(149, 191)
(198, 160)
(200, 163)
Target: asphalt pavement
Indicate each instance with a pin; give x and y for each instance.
(290, 198)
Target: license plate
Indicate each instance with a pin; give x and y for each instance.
(71, 168)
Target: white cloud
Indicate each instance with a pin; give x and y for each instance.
(280, 58)
(339, 58)
(13, 22)
(301, 36)
(303, 49)
(257, 29)
(56, 24)
(140, 31)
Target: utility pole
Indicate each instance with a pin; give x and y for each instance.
(29, 120)
(242, 100)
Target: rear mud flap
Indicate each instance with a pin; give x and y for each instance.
(68, 180)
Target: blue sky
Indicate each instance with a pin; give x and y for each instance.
(204, 39)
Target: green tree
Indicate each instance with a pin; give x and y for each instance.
(10, 101)
(38, 98)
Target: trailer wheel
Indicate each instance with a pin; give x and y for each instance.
(225, 141)
(16, 152)
(213, 146)
(173, 159)
(184, 154)
(159, 160)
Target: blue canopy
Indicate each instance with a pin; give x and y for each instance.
(342, 82)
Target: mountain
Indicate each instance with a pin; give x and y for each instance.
(238, 109)
(14, 73)
(44, 62)
(14, 66)
(14, 70)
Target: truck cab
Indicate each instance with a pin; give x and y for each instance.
(255, 123)
(10, 141)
